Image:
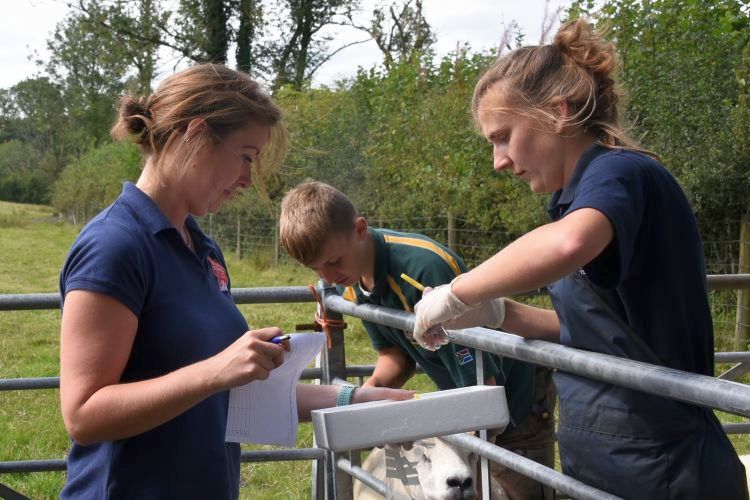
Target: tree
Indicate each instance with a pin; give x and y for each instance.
(92, 69)
(202, 31)
(679, 63)
(401, 32)
(741, 120)
(250, 13)
(217, 32)
(20, 181)
(329, 131)
(33, 116)
(89, 184)
(302, 48)
(424, 157)
(134, 26)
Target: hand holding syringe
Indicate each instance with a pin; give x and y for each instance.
(434, 337)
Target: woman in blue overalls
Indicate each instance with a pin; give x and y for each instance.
(623, 261)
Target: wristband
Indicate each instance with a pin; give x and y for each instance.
(345, 395)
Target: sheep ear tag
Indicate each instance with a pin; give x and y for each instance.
(398, 471)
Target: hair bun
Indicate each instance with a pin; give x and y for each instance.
(578, 40)
(135, 118)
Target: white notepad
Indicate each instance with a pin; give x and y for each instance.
(265, 411)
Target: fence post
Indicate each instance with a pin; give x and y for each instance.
(319, 467)
(484, 465)
(239, 239)
(742, 333)
(276, 244)
(334, 367)
(451, 231)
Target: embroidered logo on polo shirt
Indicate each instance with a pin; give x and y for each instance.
(464, 356)
(222, 278)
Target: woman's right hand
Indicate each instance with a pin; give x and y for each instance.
(251, 357)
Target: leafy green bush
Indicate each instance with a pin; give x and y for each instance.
(680, 65)
(25, 187)
(21, 178)
(93, 182)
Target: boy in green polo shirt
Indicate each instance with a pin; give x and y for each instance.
(320, 228)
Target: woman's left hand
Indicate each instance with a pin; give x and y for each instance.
(367, 394)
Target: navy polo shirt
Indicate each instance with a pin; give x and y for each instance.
(653, 272)
(185, 311)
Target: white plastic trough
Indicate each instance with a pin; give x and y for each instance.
(440, 413)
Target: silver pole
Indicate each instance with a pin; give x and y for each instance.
(262, 295)
(484, 466)
(361, 474)
(529, 468)
(703, 390)
(267, 295)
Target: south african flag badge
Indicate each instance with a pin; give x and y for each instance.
(464, 356)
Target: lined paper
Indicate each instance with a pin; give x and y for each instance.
(265, 411)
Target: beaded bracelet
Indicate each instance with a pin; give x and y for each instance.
(345, 395)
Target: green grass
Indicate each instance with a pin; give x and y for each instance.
(33, 248)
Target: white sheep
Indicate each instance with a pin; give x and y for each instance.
(434, 470)
(745, 459)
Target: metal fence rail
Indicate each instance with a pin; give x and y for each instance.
(741, 358)
(245, 456)
(361, 474)
(528, 467)
(675, 384)
(707, 391)
(728, 281)
(289, 294)
(24, 384)
(259, 295)
(689, 387)
(266, 295)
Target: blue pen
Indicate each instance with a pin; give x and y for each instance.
(280, 339)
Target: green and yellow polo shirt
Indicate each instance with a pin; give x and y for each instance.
(432, 264)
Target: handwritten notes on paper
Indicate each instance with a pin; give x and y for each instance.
(265, 411)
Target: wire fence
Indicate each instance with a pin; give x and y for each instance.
(253, 237)
(257, 239)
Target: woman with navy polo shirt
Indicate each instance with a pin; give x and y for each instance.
(608, 258)
(151, 340)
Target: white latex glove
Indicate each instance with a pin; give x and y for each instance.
(438, 306)
(490, 314)
(433, 338)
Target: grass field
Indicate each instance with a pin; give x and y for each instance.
(32, 250)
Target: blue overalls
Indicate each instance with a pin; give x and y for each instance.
(626, 442)
(638, 298)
